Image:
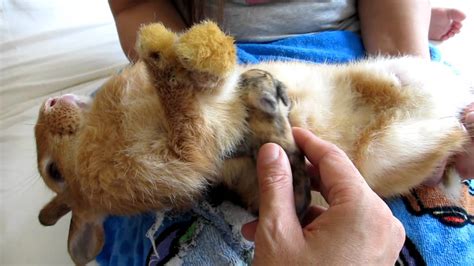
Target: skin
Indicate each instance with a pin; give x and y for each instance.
(340, 229)
(395, 27)
(445, 23)
(465, 161)
(130, 14)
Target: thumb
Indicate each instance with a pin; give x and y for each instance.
(275, 185)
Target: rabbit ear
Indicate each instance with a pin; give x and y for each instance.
(54, 210)
(86, 237)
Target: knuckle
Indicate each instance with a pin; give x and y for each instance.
(399, 231)
(338, 160)
(335, 152)
(384, 214)
(391, 225)
(384, 210)
(346, 192)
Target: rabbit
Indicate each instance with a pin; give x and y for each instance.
(186, 117)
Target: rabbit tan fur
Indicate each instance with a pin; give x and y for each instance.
(186, 116)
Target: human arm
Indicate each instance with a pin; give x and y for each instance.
(357, 228)
(130, 14)
(395, 27)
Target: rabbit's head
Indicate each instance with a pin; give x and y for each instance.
(57, 130)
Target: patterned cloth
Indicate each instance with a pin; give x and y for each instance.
(206, 235)
(439, 231)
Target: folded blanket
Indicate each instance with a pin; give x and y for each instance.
(439, 231)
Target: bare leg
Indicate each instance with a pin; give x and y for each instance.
(445, 23)
(129, 15)
(395, 27)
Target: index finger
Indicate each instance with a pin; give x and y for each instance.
(339, 179)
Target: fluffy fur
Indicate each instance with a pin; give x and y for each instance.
(186, 116)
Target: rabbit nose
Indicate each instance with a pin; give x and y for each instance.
(52, 102)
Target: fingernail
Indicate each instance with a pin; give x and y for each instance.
(269, 153)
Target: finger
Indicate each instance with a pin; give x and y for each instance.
(464, 161)
(338, 176)
(248, 230)
(468, 121)
(275, 185)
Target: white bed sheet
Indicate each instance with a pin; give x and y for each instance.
(47, 48)
(54, 47)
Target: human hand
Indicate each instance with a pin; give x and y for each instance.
(356, 228)
(464, 162)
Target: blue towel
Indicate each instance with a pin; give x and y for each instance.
(330, 46)
(439, 232)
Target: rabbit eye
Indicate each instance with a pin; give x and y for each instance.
(54, 173)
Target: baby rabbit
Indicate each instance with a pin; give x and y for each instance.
(186, 116)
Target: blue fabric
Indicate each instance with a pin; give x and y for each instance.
(209, 239)
(125, 241)
(201, 236)
(438, 243)
(330, 46)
